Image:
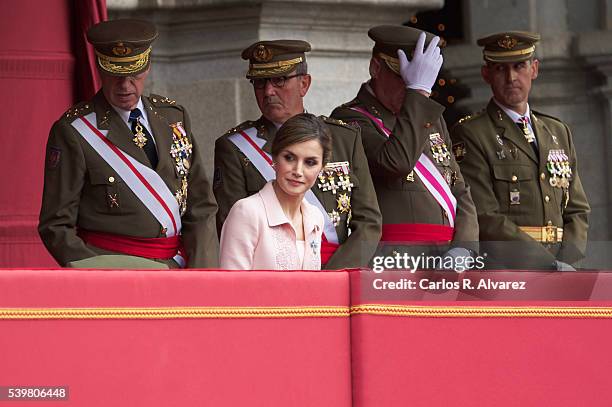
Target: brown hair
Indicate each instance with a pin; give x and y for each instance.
(300, 128)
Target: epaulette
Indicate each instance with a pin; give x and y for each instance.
(78, 110)
(241, 126)
(351, 103)
(536, 113)
(337, 122)
(161, 101)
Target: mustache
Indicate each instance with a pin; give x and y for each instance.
(272, 100)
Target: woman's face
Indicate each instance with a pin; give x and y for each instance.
(297, 167)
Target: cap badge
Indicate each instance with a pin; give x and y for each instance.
(121, 50)
(507, 42)
(262, 54)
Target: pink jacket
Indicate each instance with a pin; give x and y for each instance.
(257, 235)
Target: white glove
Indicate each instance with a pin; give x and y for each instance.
(462, 258)
(561, 266)
(422, 71)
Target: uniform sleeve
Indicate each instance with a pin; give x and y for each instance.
(229, 180)
(199, 232)
(466, 219)
(493, 225)
(366, 220)
(65, 172)
(239, 237)
(575, 215)
(397, 154)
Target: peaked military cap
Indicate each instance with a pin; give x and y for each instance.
(511, 46)
(268, 59)
(389, 38)
(123, 47)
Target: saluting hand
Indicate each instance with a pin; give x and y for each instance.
(422, 71)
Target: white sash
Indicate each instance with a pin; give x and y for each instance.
(252, 147)
(146, 184)
(427, 172)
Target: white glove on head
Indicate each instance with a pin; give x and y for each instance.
(422, 71)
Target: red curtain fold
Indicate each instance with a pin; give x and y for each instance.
(87, 13)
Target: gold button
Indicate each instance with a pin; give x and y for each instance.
(542, 176)
(427, 125)
(111, 179)
(154, 100)
(514, 178)
(547, 198)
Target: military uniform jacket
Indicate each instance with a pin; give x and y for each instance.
(402, 197)
(82, 191)
(511, 185)
(236, 178)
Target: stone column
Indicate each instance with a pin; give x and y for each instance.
(196, 59)
(568, 86)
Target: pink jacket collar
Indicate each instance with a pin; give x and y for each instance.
(275, 214)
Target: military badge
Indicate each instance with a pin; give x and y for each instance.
(459, 151)
(327, 177)
(515, 197)
(410, 176)
(507, 42)
(335, 217)
(121, 50)
(113, 200)
(439, 150)
(501, 154)
(499, 140)
(181, 151)
(559, 168)
(262, 54)
(344, 203)
(54, 154)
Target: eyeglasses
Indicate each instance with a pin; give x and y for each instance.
(277, 82)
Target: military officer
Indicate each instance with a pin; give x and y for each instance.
(343, 192)
(421, 192)
(123, 173)
(521, 164)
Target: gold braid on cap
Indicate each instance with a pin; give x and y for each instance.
(392, 63)
(139, 61)
(273, 68)
(509, 53)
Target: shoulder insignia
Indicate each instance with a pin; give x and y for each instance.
(352, 103)
(241, 126)
(337, 122)
(78, 110)
(159, 101)
(537, 115)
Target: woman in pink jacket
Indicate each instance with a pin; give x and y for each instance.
(277, 229)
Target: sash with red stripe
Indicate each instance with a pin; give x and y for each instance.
(427, 172)
(144, 182)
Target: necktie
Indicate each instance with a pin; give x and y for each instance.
(523, 123)
(142, 138)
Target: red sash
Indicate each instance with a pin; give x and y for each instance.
(150, 248)
(327, 250)
(416, 232)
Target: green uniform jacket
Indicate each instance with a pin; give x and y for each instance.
(392, 159)
(78, 183)
(499, 163)
(237, 178)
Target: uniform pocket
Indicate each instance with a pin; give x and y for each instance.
(512, 188)
(106, 187)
